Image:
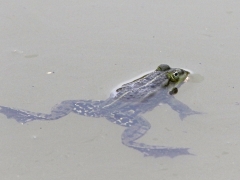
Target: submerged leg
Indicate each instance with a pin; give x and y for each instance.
(81, 107)
(182, 109)
(137, 127)
(23, 116)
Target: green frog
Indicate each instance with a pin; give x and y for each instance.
(125, 108)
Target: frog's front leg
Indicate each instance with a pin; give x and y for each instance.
(136, 128)
(182, 109)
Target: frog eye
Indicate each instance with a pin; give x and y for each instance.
(174, 76)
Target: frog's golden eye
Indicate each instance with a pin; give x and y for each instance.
(174, 76)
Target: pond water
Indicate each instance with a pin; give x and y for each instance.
(53, 51)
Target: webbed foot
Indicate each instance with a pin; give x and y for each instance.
(182, 109)
(169, 152)
(19, 115)
(183, 115)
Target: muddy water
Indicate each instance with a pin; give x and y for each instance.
(53, 51)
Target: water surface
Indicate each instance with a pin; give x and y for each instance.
(53, 51)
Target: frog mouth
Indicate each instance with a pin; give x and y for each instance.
(187, 78)
(183, 80)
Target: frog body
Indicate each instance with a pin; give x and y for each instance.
(125, 108)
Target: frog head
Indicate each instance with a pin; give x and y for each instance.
(175, 77)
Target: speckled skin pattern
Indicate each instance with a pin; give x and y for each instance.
(125, 108)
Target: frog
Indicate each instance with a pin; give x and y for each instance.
(126, 108)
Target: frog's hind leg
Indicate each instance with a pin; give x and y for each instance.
(23, 116)
(137, 130)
